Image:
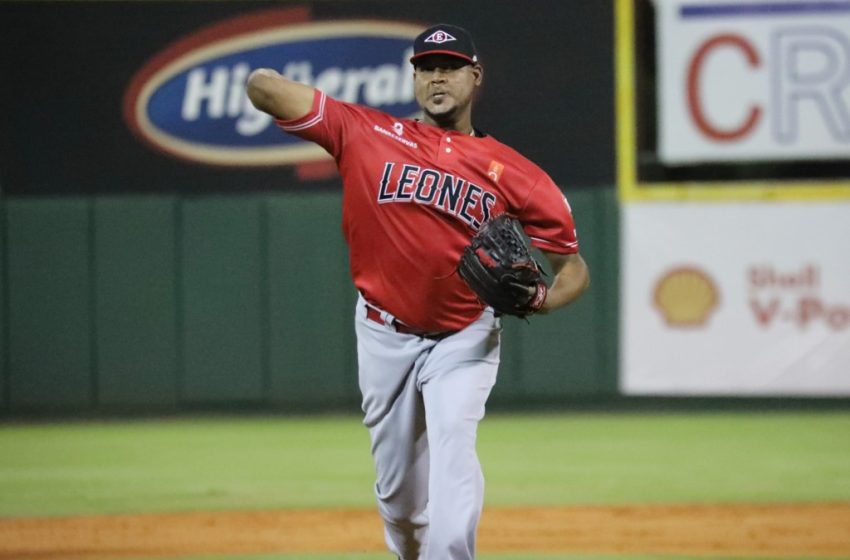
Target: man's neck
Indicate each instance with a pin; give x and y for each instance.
(464, 125)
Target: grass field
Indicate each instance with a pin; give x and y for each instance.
(284, 463)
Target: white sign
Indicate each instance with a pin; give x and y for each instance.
(736, 299)
(756, 80)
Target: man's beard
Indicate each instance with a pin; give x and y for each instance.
(447, 117)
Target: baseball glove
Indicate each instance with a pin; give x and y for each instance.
(499, 268)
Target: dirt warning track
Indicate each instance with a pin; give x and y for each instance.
(799, 530)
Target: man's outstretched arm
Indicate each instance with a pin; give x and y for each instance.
(279, 97)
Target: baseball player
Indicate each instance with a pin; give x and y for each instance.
(414, 193)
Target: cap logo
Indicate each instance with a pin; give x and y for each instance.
(439, 37)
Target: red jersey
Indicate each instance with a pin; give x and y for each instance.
(413, 196)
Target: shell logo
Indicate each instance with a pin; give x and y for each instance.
(686, 296)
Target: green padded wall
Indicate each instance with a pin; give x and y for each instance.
(559, 350)
(50, 290)
(311, 300)
(135, 275)
(221, 300)
(159, 301)
(607, 287)
(554, 357)
(4, 300)
(509, 381)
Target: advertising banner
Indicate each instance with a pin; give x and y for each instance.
(141, 97)
(757, 80)
(190, 101)
(736, 299)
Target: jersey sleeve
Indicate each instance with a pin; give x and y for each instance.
(548, 219)
(326, 123)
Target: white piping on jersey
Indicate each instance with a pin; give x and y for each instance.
(312, 122)
(564, 245)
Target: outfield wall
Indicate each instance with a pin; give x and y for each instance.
(170, 302)
(165, 246)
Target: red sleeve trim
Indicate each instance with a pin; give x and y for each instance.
(555, 246)
(314, 117)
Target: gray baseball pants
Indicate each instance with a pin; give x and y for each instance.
(423, 400)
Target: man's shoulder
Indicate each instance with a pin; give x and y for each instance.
(359, 110)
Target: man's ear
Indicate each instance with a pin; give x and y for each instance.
(478, 72)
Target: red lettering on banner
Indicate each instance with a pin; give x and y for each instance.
(768, 277)
(811, 309)
(792, 297)
(764, 315)
(838, 318)
(694, 101)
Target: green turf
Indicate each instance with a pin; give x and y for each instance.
(705, 458)
(184, 465)
(225, 464)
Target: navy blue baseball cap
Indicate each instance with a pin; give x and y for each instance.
(444, 38)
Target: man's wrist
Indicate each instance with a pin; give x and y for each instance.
(538, 300)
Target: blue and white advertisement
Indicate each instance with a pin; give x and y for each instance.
(189, 100)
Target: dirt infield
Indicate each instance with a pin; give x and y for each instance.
(812, 531)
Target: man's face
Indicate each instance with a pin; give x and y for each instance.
(444, 85)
